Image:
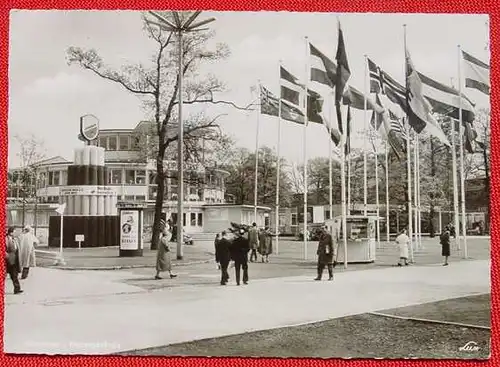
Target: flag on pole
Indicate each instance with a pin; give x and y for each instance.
(392, 128)
(470, 136)
(292, 100)
(342, 75)
(269, 103)
(446, 100)
(419, 109)
(348, 132)
(323, 70)
(381, 82)
(477, 73)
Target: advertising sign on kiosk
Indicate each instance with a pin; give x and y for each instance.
(361, 238)
(131, 229)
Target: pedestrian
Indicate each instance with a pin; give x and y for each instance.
(223, 256)
(265, 244)
(239, 254)
(253, 238)
(402, 240)
(27, 242)
(444, 239)
(163, 261)
(325, 254)
(12, 264)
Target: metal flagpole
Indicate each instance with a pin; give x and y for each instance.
(462, 178)
(419, 199)
(256, 172)
(278, 172)
(387, 229)
(455, 188)
(343, 198)
(180, 157)
(377, 202)
(365, 122)
(415, 191)
(305, 149)
(410, 206)
(349, 198)
(408, 166)
(330, 154)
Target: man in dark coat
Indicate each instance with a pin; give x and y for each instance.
(445, 244)
(239, 254)
(223, 256)
(325, 254)
(12, 264)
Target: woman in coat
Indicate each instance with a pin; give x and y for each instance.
(27, 242)
(265, 245)
(163, 261)
(445, 244)
(12, 265)
(402, 240)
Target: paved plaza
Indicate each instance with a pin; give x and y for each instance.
(102, 312)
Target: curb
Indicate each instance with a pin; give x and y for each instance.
(124, 267)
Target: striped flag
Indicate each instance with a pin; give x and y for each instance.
(446, 100)
(392, 130)
(269, 103)
(419, 109)
(292, 97)
(477, 73)
(323, 70)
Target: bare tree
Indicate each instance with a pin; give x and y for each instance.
(157, 85)
(31, 151)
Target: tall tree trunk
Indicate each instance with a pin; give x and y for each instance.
(160, 196)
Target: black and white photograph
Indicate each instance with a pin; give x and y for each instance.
(248, 184)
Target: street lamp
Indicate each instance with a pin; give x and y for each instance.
(180, 26)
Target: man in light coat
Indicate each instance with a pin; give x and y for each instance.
(27, 242)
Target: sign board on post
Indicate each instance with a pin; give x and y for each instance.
(89, 127)
(131, 228)
(79, 238)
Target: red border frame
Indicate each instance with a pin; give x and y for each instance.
(386, 6)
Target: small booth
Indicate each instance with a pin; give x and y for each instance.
(131, 228)
(361, 237)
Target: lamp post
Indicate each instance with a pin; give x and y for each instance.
(180, 26)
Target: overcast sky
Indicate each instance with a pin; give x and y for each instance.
(47, 96)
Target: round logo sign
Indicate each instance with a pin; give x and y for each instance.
(89, 127)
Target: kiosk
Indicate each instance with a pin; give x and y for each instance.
(361, 238)
(131, 228)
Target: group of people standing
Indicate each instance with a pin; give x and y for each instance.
(403, 242)
(237, 248)
(19, 255)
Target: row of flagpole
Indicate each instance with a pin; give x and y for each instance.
(414, 201)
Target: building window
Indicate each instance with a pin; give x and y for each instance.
(193, 219)
(184, 219)
(129, 176)
(140, 198)
(129, 197)
(112, 145)
(140, 177)
(103, 142)
(124, 142)
(115, 176)
(200, 219)
(54, 177)
(294, 219)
